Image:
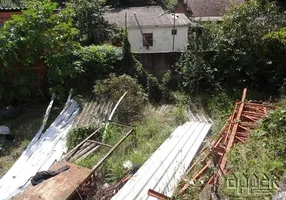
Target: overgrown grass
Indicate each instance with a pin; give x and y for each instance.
(264, 153)
(151, 132)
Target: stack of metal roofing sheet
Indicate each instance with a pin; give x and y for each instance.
(41, 153)
(165, 168)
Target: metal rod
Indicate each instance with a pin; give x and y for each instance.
(158, 195)
(125, 20)
(120, 124)
(233, 132)
(144, 39)
(198, 175)
(174, 31)
(111, 151)
(111, 115)
(74, 150)
(100, 143)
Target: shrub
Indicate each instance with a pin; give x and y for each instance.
(77, 135)
(37, 36)
(98, 62)
(235, 53)
(112, 88)
(134, 68)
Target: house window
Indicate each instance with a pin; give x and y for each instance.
(174, 31)
(148, 39)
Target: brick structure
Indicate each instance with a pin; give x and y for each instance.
(6, 15)
(7, 9)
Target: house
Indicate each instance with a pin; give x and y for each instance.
(7, 9)
(151, 29)
(205, 10)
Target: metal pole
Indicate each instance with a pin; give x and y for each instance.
(125, 20)
(174, 32)
(157, 195)
(110, 152)
(73, 151)
(141, 30)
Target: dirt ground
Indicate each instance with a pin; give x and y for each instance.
(23, 128)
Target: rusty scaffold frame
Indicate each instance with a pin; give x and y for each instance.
(243, 120)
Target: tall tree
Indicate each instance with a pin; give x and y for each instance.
(37, 36)
(236, 54)
(90, 22)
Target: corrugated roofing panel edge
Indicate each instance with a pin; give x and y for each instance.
(164, 169)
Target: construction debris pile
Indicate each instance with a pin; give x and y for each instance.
(106, 192)
(243, 120)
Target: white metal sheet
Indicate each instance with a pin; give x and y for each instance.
(42, 152)
(165, 168)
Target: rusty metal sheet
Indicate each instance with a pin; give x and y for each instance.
(59, 187)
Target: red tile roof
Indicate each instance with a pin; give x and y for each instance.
(209, 8)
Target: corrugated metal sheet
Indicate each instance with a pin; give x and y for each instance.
(93, 113)
(42, 152)
(165, 168)
(149, 16)
(9, 5)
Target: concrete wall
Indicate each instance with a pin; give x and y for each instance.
(162, 39)
(158, 63)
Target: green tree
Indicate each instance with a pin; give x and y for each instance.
(39, 35)
(89, 20)
(236, 54)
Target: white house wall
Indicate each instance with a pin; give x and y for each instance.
(162, 39)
